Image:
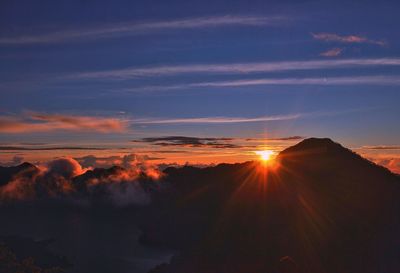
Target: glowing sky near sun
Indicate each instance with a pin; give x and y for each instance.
(265, 155)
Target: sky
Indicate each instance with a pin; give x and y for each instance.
(201, 82)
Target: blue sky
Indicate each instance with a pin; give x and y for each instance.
(103, 73)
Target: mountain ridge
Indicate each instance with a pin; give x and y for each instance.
(319, 206)
(306, 147)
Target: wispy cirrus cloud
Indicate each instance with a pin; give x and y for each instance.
(323, 81)
(349, 39)
(232, 68)
(227, 120)
(39, 122)
(333, 52)
(376, 80)
(215, 120)
(140, 28)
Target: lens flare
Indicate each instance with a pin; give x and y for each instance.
(265, 155)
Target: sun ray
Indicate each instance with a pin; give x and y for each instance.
(265, 155)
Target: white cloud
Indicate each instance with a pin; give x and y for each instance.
(377, 80)
(135, 28)
(225, 120)
(204, 120)
(323, 81)
(233, 68)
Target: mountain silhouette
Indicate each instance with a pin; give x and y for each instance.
(25, 169)
(320, 205)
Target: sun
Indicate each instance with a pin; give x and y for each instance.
(265, 155)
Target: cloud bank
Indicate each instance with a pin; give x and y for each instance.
(126, 161)
(381, 147)
(66, 180)
(38, 122)
(392, 164)
(190, 142)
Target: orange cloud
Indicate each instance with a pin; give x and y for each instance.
(59, 178)
(392, 164)
(37, 122)
(66, 167)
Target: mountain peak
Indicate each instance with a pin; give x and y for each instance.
(318, 141)
(25, 166)
(7, 173)
(316, 145)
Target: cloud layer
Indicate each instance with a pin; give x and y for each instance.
(66, 179)
(381, 147)
(126, 161)
(37, 122)
(190, 142)
(392, 164)
(211, 142)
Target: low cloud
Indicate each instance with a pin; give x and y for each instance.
(65, 167)
(211, 142)
(50, 179)
(65, 179)
(126, 194)
(91, 161)
(192, 142)
(289, 138)
(333, 52)
(349, 39)
(23, 148)
(16, 160)
(381, 147)
(392, 164)
(38, 122)
(125, 161)
(120, 186)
